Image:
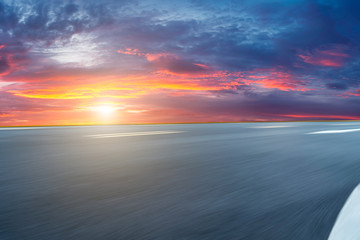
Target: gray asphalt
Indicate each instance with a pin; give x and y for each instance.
(207, 181)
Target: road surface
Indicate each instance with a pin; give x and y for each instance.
(177, 181)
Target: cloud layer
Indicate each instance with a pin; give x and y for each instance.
(184, 61)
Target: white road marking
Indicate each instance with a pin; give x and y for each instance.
(131, 134)
(347, 223)
(336, 131)
(272, 126)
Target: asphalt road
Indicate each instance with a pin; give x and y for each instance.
(184, 181)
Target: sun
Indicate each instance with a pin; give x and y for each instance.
(104, 109)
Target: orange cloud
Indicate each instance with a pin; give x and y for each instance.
(112, 87)
(70, 96)
(82, 91)
(6, 115)
(133, 86)
(131, 51)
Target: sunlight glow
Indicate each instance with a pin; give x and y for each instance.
(104, 109)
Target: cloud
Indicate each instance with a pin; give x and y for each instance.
(4, 65)
(6, 62)
(321, 117)
(337, 86)
(255, 60)
(329, 57)
(176, 65)
(167, 61)
(355, 93)
(274, 79)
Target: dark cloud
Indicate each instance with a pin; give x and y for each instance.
(71, 8)
(4, 65)
(49, 20)
(176, 65)
(337, 86)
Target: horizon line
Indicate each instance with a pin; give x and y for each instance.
(116, 124)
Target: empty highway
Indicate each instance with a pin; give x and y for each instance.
(177, 181)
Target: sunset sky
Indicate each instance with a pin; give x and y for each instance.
(159, 61)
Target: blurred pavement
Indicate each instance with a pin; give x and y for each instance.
(176, 181)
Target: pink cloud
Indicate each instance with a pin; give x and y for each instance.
(275, 79)
(355, 93)
(331, 57)
(130, 51)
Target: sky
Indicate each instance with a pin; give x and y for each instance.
(168, 61)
